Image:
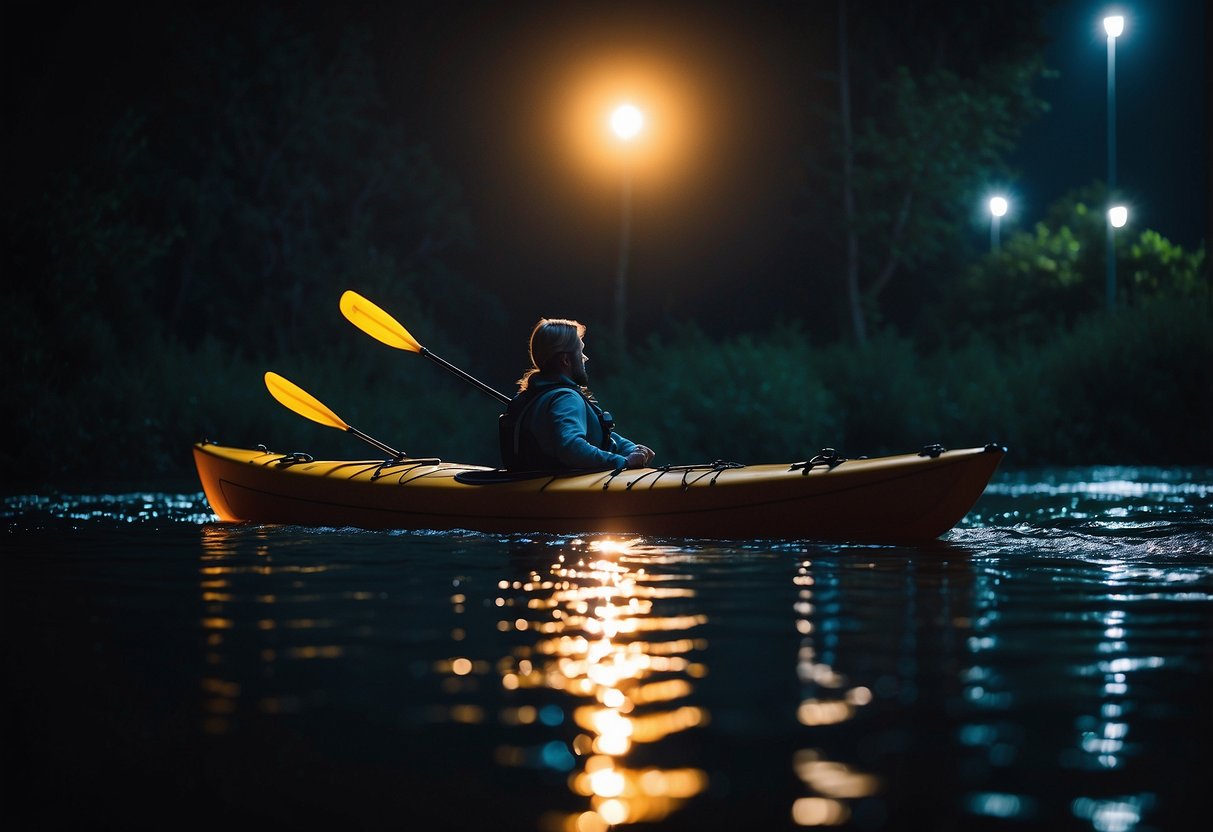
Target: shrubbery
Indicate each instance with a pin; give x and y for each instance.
(1134, 387)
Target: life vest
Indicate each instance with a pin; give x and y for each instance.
(519, 449)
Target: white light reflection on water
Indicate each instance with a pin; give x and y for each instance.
(1093, 556)
(1099, 504)
(1113, 815)
(827, 698)
(1001, 805)
(1117, 483)
(130, 508)
(1102, 736)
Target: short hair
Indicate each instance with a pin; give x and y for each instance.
(550, 338)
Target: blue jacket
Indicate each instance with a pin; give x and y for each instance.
(566, 428)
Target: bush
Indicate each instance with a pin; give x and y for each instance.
(1132, 388)
(1135, 387)
(694, 399)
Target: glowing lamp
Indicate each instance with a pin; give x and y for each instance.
(998, 206)
(1114, 25)
(627, 121)
(1118, 215)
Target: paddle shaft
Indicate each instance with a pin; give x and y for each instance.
(446, 365)
(387, 449)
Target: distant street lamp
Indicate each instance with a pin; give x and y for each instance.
(1114, 25)
(627, 121)
(1118, 215)
(998, 208)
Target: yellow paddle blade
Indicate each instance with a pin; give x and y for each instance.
(376, 323)
(294, 397)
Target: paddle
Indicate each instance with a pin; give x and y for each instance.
(295, 398)
(383, 327)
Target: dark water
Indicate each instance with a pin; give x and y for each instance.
(1048, 665)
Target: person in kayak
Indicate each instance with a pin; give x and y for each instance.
(553, 422)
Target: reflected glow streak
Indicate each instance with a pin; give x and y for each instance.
(1000, 805)
(631, 795)
(644, 729)
(601, 772)
(832, 782)
(1115, 815)
(587, 646)
(819, 811)
(818, 712)
(607, 782)
(1105, 488)
(833, 779)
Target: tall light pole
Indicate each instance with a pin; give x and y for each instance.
(626, 123)
(1114, 25)
(998, 208)
(1118, 215)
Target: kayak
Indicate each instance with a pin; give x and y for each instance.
(910, 497)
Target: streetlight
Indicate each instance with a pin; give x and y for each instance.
(1114, 25)
(627, 121)
(1118, 215)
(998, 207)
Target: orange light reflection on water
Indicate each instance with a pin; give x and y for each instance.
(595, 618)
(222, 567)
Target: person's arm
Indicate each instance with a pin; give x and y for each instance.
(561, 432)
(621, 444)
(627, 448)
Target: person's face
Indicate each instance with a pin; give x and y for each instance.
(577, 362)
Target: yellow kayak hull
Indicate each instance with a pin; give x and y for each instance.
(904, 498)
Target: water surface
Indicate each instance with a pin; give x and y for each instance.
(1047, 665)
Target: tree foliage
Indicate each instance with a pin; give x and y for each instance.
(934, 97)
(292, 181)
(1045, 279)
(234, 215)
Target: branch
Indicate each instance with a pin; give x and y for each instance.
(890, 263)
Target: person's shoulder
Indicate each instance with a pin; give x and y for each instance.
(544, 385)
(558, 392)
(558, 397)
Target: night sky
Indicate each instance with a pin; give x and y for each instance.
(491, 87)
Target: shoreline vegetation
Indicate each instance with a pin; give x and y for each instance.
(1132, 388)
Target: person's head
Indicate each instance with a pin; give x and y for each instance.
(558, 348)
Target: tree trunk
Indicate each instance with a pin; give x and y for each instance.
(848, 193)
(890, 264)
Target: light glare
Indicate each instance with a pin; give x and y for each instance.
(998, 206)
(627, 121)
(1114, 25)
